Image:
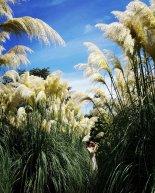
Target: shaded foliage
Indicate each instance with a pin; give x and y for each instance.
(44, 161)
(41, 72)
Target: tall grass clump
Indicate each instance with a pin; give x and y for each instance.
(126, 152)
(42, 128)
(49, 162)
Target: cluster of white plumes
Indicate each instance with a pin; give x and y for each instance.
(52, 95)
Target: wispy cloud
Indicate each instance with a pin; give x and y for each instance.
(88, 28)
(74, 47)
(77, 81)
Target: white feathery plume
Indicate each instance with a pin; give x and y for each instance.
(4, 36)
(96, 57)
(52, 85)
(88, 123)
(34, 28)
(1, 49)
(143, 12)
(15, 56)
(46, 125)
(89, 71)
(118, 33)
(135, 24)
(98, 78)
(99, 92)
(24, 92)
(12, 74)
(5, 9)
(35, 83)
(152, 6)
(112, 59)
(55, 74)
(24, 78)
(123, 17)
(21, 116)
(41, 97)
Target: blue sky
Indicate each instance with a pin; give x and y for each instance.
(74, 20)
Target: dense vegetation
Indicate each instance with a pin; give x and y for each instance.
(42, 127)
(126, 154)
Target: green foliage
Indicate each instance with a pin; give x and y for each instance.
(8, 170)
(47, 162)
(126, 153)
(20, 72)
(41, 72)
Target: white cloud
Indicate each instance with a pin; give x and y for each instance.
(79, 84)
(88, 28)
(74, 49)
(77, 81)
